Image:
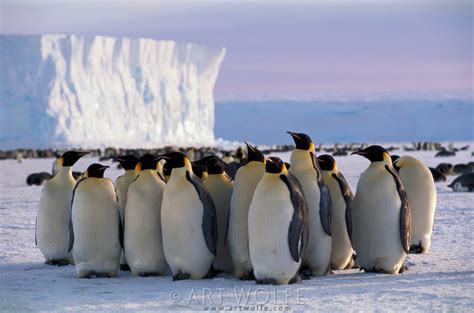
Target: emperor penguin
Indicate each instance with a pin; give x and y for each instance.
(220, 188)
(380, 215)
(143, 244)
(54, 212)
(278, 226)
(95, 228)
(128, 163)
(305, 167)
(421, 190)
(246, 180)
(188, 221)
(200, 170)
(341, 225)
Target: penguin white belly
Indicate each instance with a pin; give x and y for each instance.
(96, 229)
(54, 212)
(270, 215)
(341, 249)
(245, 183)
(376, 223)
(121, 186)
(143, 242)
(183, 239)
(221, 193)
(318, 251)
(421, 192)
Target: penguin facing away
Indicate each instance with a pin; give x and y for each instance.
(128, 163)
(421, 190)
(278, 226)
(188, 219)
(54, 212)
(246, 180)
(143, 244)
(95, 228)
(341, 224)
(220, 189)
(306, 168)
(380, 215)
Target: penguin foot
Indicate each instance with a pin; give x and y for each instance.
(125, 267)
(416, 249)
(211, 274)
(295, 279)
(149, 274)
(305, 276)
(181, 276)
(57, 262)
(266, 281)
(403, 269)
(306, 273)
(248, 276)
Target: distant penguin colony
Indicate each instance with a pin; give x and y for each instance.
(256, 218)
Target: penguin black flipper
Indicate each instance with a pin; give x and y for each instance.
(71, 230)
(325, 202)
(348, 199)
(405, 211)
(298, 231)
(121, 229)
(209, 219)
(71, 236)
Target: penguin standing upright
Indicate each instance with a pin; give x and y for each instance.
(143, 244)
(305, 167)
(278, 226)
(128, 163)
(421, 190)
(188, 221)
(95, 228)
(220, 188)
(245, 182)
(380, 215)
(54, 212)
(341, 198)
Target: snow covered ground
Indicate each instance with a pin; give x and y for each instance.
(440, 281)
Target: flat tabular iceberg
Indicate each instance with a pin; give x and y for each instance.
(94, 91)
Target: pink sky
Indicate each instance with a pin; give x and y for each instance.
(288, 49)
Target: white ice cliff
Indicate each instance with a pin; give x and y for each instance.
(67, 90)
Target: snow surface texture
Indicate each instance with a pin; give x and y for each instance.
(67, 90)
(385, 120)
(440, 281)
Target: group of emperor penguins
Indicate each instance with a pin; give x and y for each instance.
(274, 222)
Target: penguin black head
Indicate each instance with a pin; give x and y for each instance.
(302, 141)
(253, 154)
(128, 162)
(326, 162)
(70, 158)
(199, 170)
(175, 159)
(374, 153)
(167, 169)
(96, 170)
(213, 163)
(274, 165)
(147, 162)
